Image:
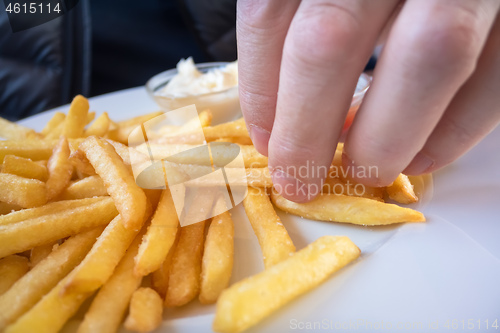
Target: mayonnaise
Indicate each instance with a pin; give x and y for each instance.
(189, 81)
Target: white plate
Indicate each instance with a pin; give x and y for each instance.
(440, 276)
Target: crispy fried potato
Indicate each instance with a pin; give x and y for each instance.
(108, 307)
(348, 187)
(47, 209)
(102, 259)
(6, 208)
(60, 169)
(12, 268)
(39, 253)
(99, 127)
(159, 278)
(343, 208)
(33, 149)
(24, 167)
(247, 302)
(88, 187)
(136, 121)
(253, 177)
(129, 198)
(145, 312)
(217, 263)
(273, 238)
(28, 290)
(13, 131)
(401, 190)
(53, 123)
(19, 237)
(159, 237)
(235, 128)
(81, 163)
(22, 191)
(75, 121)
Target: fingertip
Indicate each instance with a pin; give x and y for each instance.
(260, 138)
(420, 164)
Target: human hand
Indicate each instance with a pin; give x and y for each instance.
(435, 92)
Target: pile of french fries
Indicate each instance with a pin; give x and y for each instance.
(74, 225)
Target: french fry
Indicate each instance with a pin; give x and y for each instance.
(75, 121)
(185, 269)
(108, 307)
(136, 121)
(57, 131)
(60, 169)
(22, 191)
(88, 187)
(13, 131)
(47, 209)
(6, 208)
(102, 259)
(99, 127)
(35, 150)
(28, 290)
(235, 128)
(273, 238)
(346, 209)
(221, 155)
(217, 263)
(160, 277)
(81, 163)
(12, 268)
(24, 167)
(145, 311)
(39, 253)
(19, 237)
(54, 122)
(254, 177)
(125, 128)
(159, 237)
(247, 302)
(401, 190)
(348, 187)
(129, 198)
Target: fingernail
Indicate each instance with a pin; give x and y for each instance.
(421, 164)
(260, 138)
(290, 187)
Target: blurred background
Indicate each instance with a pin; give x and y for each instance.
(101, 46)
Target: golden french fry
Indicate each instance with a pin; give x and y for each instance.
(47, 209)
(254, 177)
(128, 155)
(35, 150)
(19, 237)
(343, 208)
(75, 121)
(348, 187)
(54, 122)
(247, 302)
(185, 269)
(6, 208)
(145, 312)
(136, 121)
(39, 253)
(22, 191)
(13, 131)
(108, 307)
(273, 238)
(88, 187)
(24, 167)
(221, 154)
(401, 190)
(12, 268)
(60, 169)
(235, 128)
(217, 263)
(102, 259)
(99, 127)
(57, 131)
(81, 163)
(129, 198)
(159, 278)
(28, 290)
(159, 237)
